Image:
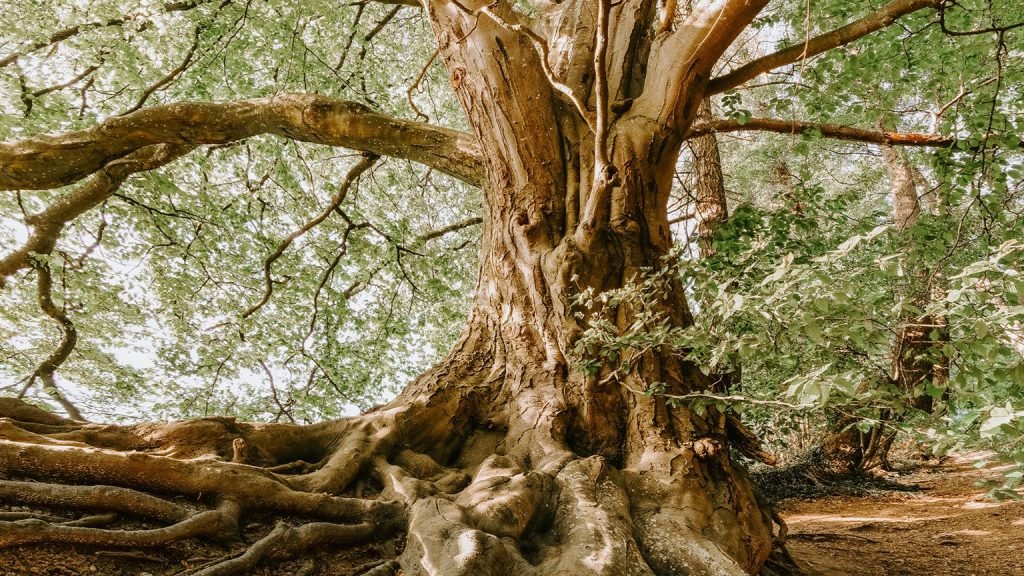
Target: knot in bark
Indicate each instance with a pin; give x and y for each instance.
(705, 448)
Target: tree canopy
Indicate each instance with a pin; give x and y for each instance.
(286, 210)
(163, 275)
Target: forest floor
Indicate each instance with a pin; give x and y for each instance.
(940, 523)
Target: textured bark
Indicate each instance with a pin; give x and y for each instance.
(712, 207)
(503, 458)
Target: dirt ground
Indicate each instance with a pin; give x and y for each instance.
(947, 527)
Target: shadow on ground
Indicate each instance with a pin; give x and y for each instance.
(936, 523)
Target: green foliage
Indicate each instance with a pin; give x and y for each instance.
(157, 301)
(809, 283)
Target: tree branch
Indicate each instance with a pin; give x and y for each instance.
(433, 234)
(68, 339)
(170, 76)
(48, 224)
(835, 131)
(45, 161)
(339, 197)
(873, 22)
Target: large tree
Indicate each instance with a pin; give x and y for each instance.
(504, 457)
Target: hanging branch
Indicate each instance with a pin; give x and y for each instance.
(48, 224)
(68, 338)
(363, 165)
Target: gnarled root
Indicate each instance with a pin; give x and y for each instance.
(127, 471)
(502, 497)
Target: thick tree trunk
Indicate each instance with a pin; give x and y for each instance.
(503, 458)
(500, 460)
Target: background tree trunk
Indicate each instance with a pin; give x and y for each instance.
(712, 206)
(917, 358)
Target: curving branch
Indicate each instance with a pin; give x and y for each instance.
(47, 161)
(29, 98)
(339, 197)
(48, 224)
(835, 131)
(170, 76)
(881, 18)
(68, 339)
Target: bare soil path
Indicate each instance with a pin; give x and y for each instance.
(947, 527)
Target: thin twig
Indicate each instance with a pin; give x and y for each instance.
(339, 197)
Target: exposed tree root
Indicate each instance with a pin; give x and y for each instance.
(221, 523)
(287, 540)
(110, 498)
(506, 496)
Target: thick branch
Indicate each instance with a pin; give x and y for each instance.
(46, 161)
(836, 131)
(48, 224)
(681, 60)
(881, 18)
